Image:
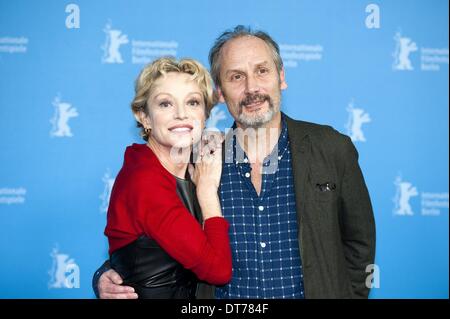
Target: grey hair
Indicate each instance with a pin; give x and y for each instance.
(237, 32)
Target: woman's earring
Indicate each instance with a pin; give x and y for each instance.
(147, 130)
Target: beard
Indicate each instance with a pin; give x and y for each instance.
(256, 120)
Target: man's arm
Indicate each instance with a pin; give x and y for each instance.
(103, 268)
(107, 284)
(357, 220)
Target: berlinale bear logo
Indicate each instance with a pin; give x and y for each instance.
(356, 118)
(65, 273)
(405, 191)
(63, 113)
(114, 39)
(215, 117)
(107, 189)
(404, 46)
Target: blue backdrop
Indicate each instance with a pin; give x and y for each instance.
(375, 70)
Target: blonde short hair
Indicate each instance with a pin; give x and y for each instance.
(146, 79)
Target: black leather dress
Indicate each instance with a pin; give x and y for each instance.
(146, 267)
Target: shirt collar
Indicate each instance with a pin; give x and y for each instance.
(235, 153)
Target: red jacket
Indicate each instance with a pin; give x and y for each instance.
(144, 201)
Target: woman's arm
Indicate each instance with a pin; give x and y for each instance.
(164, 218)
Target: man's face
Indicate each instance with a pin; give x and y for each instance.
(250, 83)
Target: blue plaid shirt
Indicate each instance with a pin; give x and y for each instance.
(263, 229)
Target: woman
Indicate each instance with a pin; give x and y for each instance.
(156, 243)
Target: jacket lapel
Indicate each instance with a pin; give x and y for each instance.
(300, 146)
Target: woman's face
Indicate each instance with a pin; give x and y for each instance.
(176, 111)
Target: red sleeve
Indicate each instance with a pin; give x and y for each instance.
(164, 218)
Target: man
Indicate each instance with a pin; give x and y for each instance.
(301, 220)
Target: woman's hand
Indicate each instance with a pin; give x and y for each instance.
(206, 174)
(208, 166)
